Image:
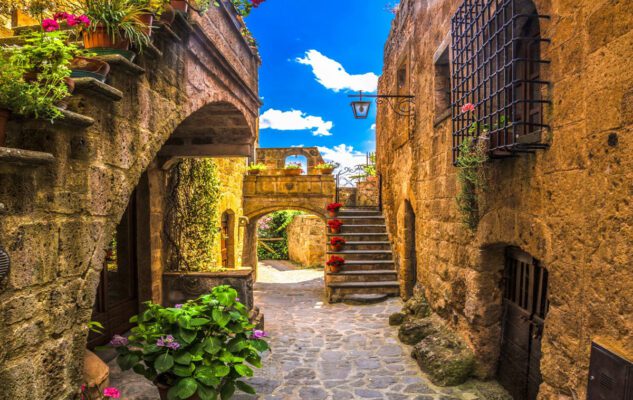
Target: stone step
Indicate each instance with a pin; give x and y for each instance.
(374, 284)
(359, 255)
(360, 252)
(369, 265)
(357, 213)
(379, 275)
(364, 220)
(339, 291)
(364, 228)
(93, 87)
(367, 245)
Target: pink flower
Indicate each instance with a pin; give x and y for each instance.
(468, 107)
(257, 334)
(60, 15)
(71, 20)
(50, 25)
(118, 341)
(112, 393)
(84, 20)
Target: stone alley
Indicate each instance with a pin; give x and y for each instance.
(327, 351)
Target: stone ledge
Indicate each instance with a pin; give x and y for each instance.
(117, 60)
(25, 157)
(95, 87)
(75, 119)
(166, 29)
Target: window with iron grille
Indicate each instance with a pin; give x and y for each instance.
(496, 67)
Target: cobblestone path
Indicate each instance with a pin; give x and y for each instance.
(323, 351)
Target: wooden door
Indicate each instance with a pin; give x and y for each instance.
(117, 296)
(524, 309)
(224, 240)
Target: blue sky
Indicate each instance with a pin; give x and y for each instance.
(303, 89)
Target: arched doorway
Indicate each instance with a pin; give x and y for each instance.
(410, 255)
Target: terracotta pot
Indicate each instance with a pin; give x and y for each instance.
(254, 172)
(89, 67)
(4, 118)
(327, 171)
(99, 38)
(332, 214)
(148, 20)
(335, 269)
(180, 5)
(293, 172)
(336, 247)
(169, 15)
(335, 230)
(163, 389)
(372, 178)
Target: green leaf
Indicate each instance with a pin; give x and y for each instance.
(187, 335)
(127, 361)
(243, 370)
(172, 394)
(183, 371)
(212, 345)
(164, 362)
(260, 345)
(237, 344)
(186, 388)
(221, 318)
(221, 370)
(254, 361)
(139, 369)
(227, 390)
(207, 393)
(184, 321)
(199, 321)
(245, 387)
(206, 375)
(183, 359)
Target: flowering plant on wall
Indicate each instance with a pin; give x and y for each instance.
(335, 225)
(198, 348)
(243, 7)
(335, 264)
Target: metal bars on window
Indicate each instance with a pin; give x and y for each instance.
(496, 67)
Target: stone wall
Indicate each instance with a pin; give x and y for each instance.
(367, 193)
(62, 200)
(568, 206)
(275, 158)
(307, 240)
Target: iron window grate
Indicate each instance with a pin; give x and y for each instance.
(496, 64)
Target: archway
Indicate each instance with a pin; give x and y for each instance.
(299, 160)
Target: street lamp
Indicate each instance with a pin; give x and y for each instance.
(360, 107)
(403, 105)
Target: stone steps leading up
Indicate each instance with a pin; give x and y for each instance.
(369, 266)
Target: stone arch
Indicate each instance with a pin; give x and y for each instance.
(275, 158)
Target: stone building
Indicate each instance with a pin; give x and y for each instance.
(66, 189)
(555, 211)
(306, 241)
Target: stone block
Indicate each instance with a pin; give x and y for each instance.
(447, 361)
(414, 330)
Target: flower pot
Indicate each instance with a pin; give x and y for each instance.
(335, 230)
(148, 20)
(332, 214)
(336, 247)
(168, 15)
(179, 5)
(99, 38)
(327, 171)
(293, 172)
(84, 67)
(372, 178)
(254, 172)
(4, 118)
(334, 269)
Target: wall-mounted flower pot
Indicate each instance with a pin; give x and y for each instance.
(254, 172)
(332, 214)
(168, 15)
(4, 118)
(293, 172)
(148, 20)
(100, 38)
(180, 5)
(85, 67)
(327, 171)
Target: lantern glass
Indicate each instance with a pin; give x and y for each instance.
(361, 109)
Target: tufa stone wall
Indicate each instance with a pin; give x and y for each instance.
(367, 193)
(307, 240)
(275, 158)
(61, 203)
(568, 206)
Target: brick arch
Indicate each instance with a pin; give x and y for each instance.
(60, 216)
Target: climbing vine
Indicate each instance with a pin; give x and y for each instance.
(473, 155)
(191, 223)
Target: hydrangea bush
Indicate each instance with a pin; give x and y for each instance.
(201, 347)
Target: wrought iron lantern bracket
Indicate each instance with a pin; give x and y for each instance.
(402, 105)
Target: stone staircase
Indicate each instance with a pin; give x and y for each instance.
(369, 266)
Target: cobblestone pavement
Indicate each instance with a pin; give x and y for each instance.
(323, 351)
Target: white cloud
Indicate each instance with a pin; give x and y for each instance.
(295, 120)
(344, 155)
(373, 127)
(332, 75)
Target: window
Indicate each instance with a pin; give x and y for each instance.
(442, 87)
(496, 66)
(402, 76)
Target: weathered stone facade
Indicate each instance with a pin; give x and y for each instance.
(62, 202)
(306, 240)
(567, 206)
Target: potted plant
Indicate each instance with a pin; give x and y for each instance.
(151, 9)
(256, 169)
(180, 5)
(34, 78)
(195, 350)
(333, 209)
(325, 168)
(335, 225)
(335, 264)
(115, 26)
(293, 169)
(337, 243)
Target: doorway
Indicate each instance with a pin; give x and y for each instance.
(117, 296)
(410, 260)
(525, 307)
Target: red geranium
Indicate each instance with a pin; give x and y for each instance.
(334, 224)
(256, 3)
(337, 241)
(336, 261)
(334, 206)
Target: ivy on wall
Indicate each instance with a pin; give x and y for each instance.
(473, 155)
(191, 221)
